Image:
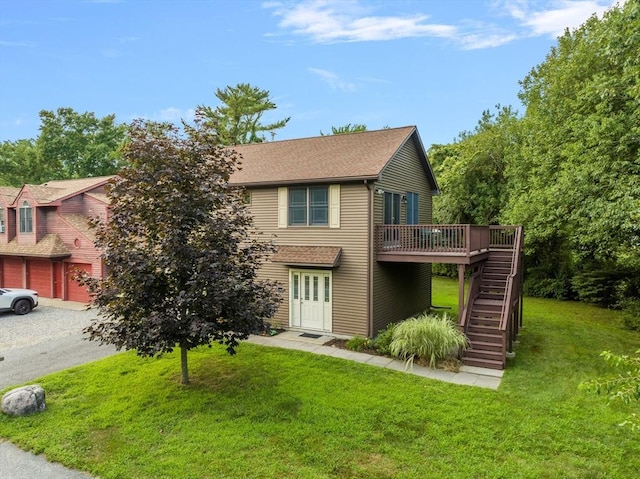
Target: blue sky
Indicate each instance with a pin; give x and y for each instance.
(435, 64)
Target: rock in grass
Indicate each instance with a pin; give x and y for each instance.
(23, 401)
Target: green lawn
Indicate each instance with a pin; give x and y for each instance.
(272, 413)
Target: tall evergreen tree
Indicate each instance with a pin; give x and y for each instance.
(238, 118)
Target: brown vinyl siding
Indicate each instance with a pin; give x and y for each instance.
(403, 289)
(349, 302)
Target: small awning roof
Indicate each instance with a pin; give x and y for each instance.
(317, 256)
(50, 246)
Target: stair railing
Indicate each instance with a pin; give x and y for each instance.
(512, 295)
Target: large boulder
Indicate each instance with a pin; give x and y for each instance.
(23, 401)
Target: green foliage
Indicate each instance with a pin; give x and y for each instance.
(623, 387)
(382, 341)
(631, 314)
(348, 128)
(358, 343)
(179, 253)
(429, 337)
(21, 163)
(576, 174)
(598, 284)
(70, 145)
(238, 119)
(79, 145)
(470, 171)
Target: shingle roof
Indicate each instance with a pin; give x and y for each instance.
(326, 256)
(352, 156)
(81, 224)
(50, 246)
(56, 190)
(9, 193)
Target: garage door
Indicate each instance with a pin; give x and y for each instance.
(75, 292)
(12, 273)
(39, 277)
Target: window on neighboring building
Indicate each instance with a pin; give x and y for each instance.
(2, 220)
(26, 218)
(309, 206)
(412, 209)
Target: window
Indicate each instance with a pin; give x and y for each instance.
(2, 220)
(412, 209)
(309, 206)
(26, 218)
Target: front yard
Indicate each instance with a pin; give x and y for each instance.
(272, 413)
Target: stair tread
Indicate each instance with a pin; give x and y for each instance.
(486, 363)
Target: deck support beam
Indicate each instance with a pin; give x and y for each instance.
(461, 270)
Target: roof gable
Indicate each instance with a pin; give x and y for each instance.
(347, 157)
(57, 190)
(8, 194)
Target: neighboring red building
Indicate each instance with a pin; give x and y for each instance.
(45, 237)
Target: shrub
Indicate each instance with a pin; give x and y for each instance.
(428, 337)
(358, 343)
(631, 315)
(382, 341)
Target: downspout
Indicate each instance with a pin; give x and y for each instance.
(370, 260)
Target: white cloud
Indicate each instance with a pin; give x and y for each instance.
(554, 17)
(4, 43)
(331, 21)
(334, 21)
(333, 80)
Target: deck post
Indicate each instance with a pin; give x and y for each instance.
(461, 270)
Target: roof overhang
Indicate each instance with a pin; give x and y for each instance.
(308, 256)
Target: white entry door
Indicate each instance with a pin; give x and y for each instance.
(310, 299)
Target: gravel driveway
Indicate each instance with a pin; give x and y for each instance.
(46, 340)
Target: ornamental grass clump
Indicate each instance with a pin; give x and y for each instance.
(428, 337)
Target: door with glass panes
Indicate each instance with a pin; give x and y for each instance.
(310, 299)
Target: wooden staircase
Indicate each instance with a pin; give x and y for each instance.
(483, 326)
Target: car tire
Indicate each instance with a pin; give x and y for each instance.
(22, 307)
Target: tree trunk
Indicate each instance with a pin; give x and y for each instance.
(185, 369)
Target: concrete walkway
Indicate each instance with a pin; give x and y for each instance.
(467, 376)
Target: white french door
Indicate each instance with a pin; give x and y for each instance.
(310, 297)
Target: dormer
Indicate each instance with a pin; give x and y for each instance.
(7, 214)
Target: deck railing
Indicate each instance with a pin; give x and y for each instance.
(502, 236)
(460, 239)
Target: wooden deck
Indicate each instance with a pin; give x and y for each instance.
(453, 244)
(492, 313)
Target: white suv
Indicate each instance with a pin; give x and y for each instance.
(20, 301)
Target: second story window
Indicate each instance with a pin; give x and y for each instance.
(26, 218)
(2, 227)
(309, 206)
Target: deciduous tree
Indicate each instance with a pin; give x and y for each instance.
(179, 249)
(79, 145)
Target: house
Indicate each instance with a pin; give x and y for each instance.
(351, 216)
(45, 237)
(320, 198)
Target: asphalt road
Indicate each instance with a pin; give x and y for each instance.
(47, 340)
